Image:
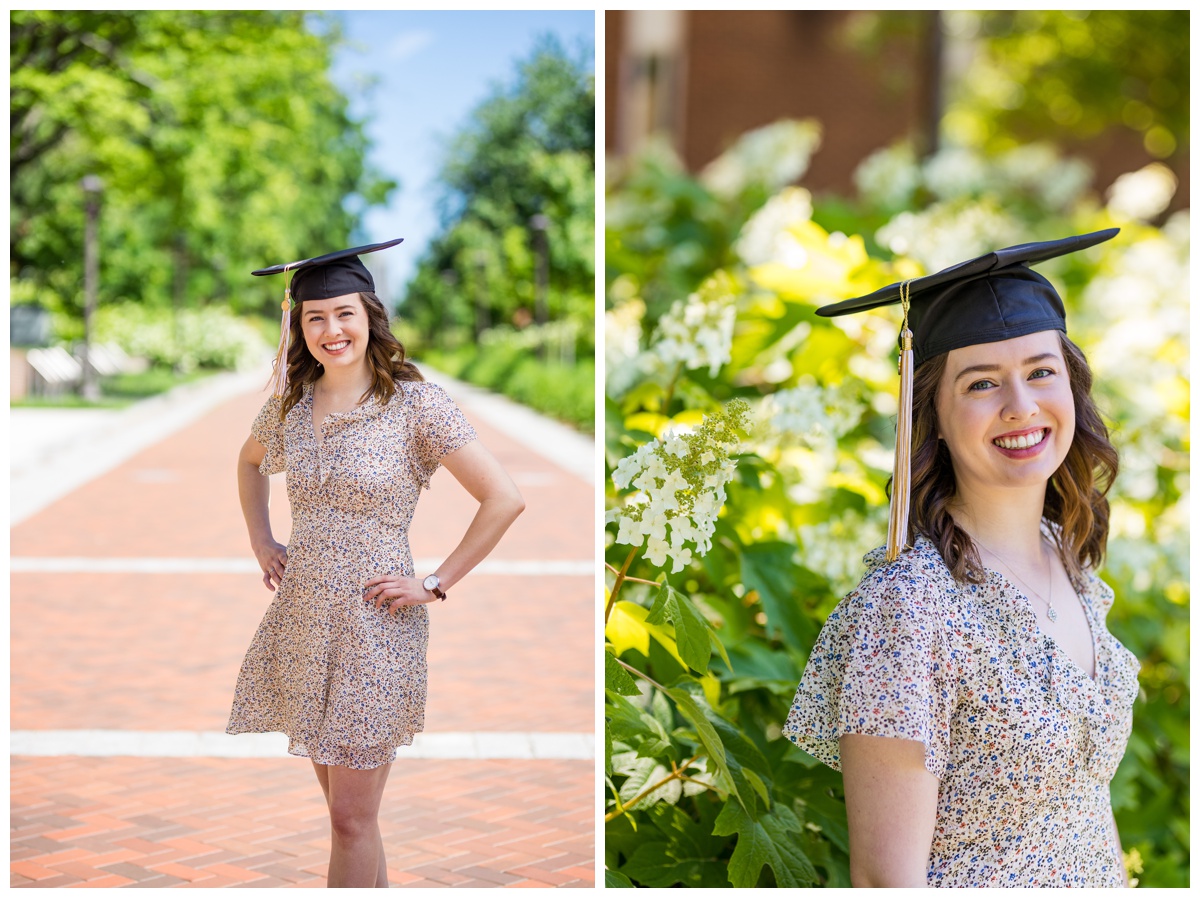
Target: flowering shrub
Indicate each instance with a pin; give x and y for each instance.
(723, 566)
(681, 481)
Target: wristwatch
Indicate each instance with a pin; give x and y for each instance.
(432, 583)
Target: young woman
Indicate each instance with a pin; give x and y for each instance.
(338, 662)
(968, 688)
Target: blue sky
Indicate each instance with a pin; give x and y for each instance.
(431, 70)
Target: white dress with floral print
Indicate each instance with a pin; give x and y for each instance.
(1023, 742)
(344, 680)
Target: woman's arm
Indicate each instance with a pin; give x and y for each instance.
(254, 491)
(891, 803)
(500, 503)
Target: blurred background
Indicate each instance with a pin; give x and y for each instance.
(761, 164)
(158, 157)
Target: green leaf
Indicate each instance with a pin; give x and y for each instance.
(607, 747)
(615, 880)
(636, 728)
(707, 735)
(641, 774)
(691, 856)
(768, 569)
(617, 678)
(770, 840)
(691, 628)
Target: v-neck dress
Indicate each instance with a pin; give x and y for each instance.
(343, 679)
(1023, 742)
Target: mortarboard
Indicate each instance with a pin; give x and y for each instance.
(985, 300)
(322, 277)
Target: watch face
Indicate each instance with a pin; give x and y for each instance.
(431, 582)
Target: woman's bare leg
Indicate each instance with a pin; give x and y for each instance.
(353, 796)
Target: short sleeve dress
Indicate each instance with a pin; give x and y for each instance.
(1023, 742)
(345, 680)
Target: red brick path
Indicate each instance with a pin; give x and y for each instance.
(161, 652)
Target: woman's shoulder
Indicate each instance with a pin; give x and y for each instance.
(915, 584)
(919, 566)
(419, 392)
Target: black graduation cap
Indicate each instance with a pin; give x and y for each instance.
(991, 298)
(988, 299)
(321, 277)
(333, 274)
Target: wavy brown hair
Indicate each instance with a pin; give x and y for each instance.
(385, 358)
(1075, 496)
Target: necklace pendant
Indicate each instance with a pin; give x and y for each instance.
(1052, 614)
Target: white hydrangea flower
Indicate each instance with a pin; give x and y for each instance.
(946, 233)
(955, 171)
(834, 548)
(889, 177)
(681, 478)
(767, 236)
(698, 332)
(1038, 169)
(1143, 194)
(773, 156)
(810, 411)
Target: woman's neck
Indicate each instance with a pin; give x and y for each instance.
(344, 383)
(1009, 525)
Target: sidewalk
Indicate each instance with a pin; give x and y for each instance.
(132, 603)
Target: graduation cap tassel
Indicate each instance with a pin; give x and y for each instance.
(279, 370)
(897, 536)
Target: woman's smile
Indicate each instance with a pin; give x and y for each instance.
(1023, 444)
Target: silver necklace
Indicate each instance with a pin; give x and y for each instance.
(1050, 612)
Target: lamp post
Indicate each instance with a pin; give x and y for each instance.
(540, 223)
(92, 188)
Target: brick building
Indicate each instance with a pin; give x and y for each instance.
(704, 77)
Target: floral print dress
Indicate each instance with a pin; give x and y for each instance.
(343, 679)
(1023, 742)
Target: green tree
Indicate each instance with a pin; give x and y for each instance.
(525, 158)
(1069, 76)
(221, 141)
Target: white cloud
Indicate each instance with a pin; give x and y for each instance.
(409, 43)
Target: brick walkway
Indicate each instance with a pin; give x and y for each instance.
(155, 652)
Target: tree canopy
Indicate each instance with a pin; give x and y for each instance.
(528, 150)
(1073, 74)
(221, 142)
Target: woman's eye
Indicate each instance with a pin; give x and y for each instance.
(1040, 373)
(980, 385)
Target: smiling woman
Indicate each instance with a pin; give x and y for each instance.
(968, 688)
(338, 662)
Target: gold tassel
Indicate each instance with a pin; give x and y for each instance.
(897, 537)
(278, 382)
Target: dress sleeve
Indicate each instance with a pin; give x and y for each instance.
(438, 428)
(879, 668)
(268, 430)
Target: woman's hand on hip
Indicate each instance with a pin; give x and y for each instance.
(392, 592)
(272, 559)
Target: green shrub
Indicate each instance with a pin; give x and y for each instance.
(210, 337)
(565, 392)
(711, 299)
